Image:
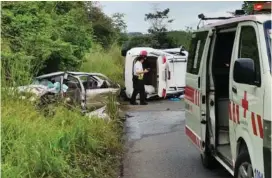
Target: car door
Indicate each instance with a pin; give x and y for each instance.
(95, 95)
(195, 88)
(162, 75)
(246, 98)
(74, 90)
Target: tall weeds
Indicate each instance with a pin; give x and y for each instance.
(109, 62)
(65, 144)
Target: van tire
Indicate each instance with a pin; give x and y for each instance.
(208, 160)
(242, 158)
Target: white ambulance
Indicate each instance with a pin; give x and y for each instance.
(167, 72)
(228, 94)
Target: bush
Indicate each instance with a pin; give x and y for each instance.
(109, 62)
(66, 145)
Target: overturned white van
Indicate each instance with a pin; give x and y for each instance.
(166, 76)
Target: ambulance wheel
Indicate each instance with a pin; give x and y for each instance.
(243, 166)
(208, 160)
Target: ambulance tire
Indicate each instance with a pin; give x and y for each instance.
(243, 157)
(208, 160)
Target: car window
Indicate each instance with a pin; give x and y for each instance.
(248, 47)
(195, 52)
(72, 83)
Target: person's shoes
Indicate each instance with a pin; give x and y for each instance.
(145, 103)
(134, 103)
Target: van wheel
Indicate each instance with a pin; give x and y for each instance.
(243, 166)
(208, 160)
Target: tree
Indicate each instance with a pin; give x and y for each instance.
(119, 23)
(106, 29)
(103, 29)
(159, 21)
(120, 26)
(42, 37)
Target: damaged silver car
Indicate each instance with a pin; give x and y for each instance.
(89, 90)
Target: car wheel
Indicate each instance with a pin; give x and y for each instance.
(243, 166)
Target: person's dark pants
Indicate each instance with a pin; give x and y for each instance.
(138, 87)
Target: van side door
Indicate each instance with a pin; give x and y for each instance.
(194, 89)
(247, 93)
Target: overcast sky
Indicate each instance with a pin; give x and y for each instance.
(184, 13)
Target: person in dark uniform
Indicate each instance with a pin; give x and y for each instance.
(138, 80)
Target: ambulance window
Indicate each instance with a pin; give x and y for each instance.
(249, 47)
(195, 52)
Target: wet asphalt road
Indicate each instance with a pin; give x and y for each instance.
(157, 146)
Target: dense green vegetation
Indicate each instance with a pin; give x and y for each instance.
(42, 37)
(52, 36)
(65, 145)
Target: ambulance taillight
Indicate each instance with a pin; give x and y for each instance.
(164, 59)
(164, 93)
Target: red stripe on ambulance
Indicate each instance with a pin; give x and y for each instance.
(260, 124)
(189, 93)
(230, 114)
(237, 114)
(196, 97)
(253, 124)
(195, 139)
(233, 111)
(192, 95)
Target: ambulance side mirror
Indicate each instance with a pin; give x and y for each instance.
(244, 71)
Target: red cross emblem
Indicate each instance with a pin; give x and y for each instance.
(245, 103)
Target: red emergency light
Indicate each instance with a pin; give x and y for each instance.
(262, 6)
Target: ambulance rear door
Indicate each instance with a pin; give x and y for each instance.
(162, 75)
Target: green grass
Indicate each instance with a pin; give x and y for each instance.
(109, 62)
(65, 145)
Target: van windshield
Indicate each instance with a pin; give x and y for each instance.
(268, 38)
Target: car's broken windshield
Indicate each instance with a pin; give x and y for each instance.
(51, 83)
